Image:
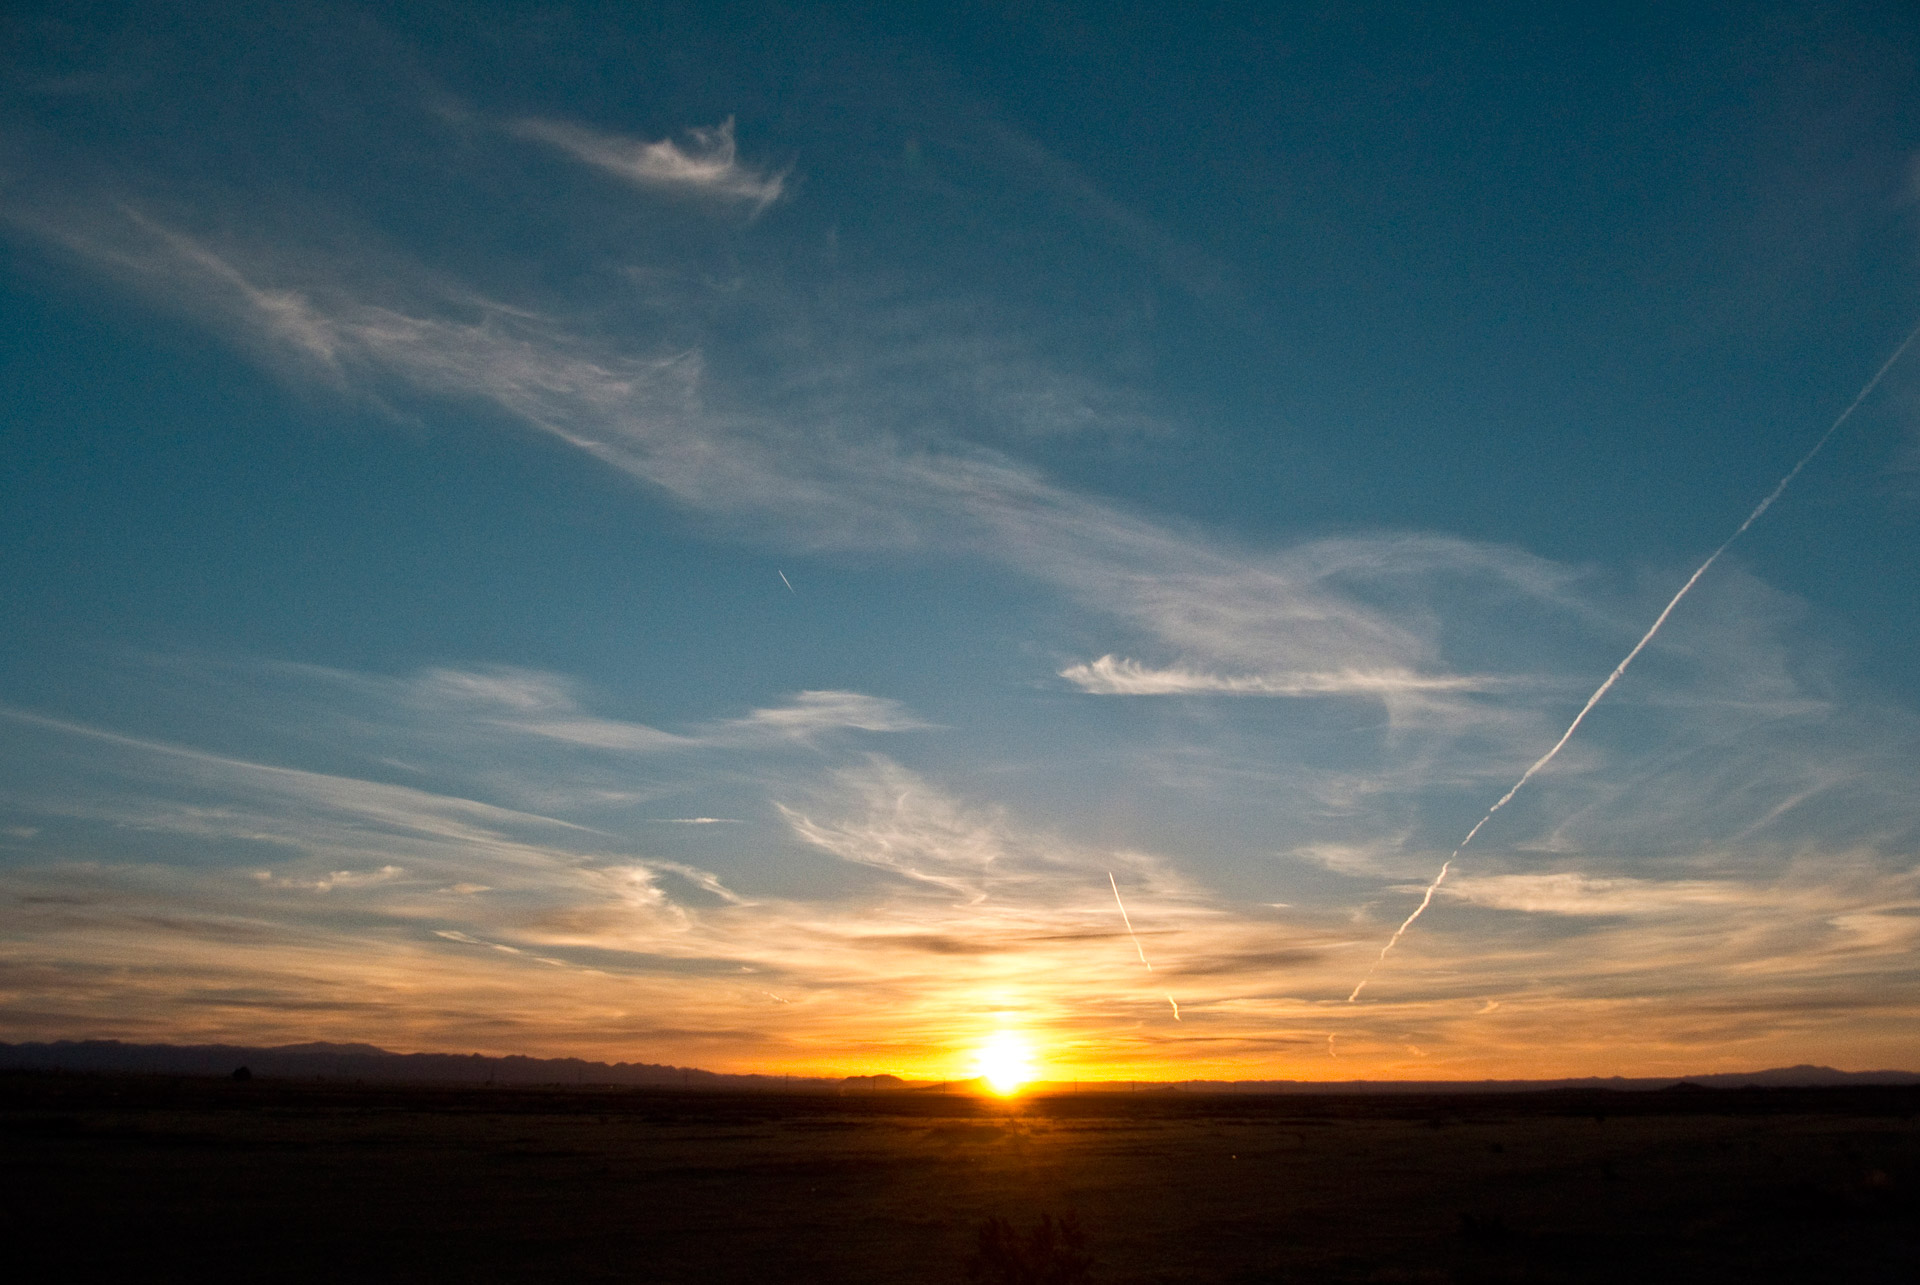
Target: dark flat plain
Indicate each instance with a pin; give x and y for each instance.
(145, 1178)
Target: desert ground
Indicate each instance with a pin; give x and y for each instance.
(152, 1178)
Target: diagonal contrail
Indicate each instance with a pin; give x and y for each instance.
(1621, 668)
(1136, 939)
(783, 580)
(1125, 920)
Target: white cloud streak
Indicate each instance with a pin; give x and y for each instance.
(522, 703)
(709, 166)
(1113, 676)
(888, 817)
(811, 713)
(904, 827)
(1576, 894)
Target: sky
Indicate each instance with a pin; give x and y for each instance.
(830, 539)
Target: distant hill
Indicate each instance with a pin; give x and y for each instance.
(365, 1062)
(1796, 1077)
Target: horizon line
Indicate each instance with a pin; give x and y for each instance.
(331, 1050)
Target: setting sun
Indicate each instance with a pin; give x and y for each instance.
(1005, 1063)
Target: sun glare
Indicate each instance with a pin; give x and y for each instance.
(1005, 1063)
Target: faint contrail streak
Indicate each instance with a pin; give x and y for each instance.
(1125, 920)
(1646, 638)
(788, 583)
(1136, 938)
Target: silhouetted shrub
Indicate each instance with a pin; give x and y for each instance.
(242, 1074)
(1053, 1253)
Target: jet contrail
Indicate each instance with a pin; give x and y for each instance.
(788, 583)
(1621, 668)
(1128, 922)
(1136, 938)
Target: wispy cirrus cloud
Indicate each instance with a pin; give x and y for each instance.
(831, 470)
(1113, 676)
(830, 456)
(1175, 259)
(379, 898)
(333, 879)
(166, 787)
(709, 166)
(522, 738)
(810, 713)
(540, 704)
(1572, 893)
(897, 822)
(881, 814)
(1333, 616)
(329, 881)
(1392, 617)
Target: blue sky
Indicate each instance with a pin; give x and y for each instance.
(725, 536)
